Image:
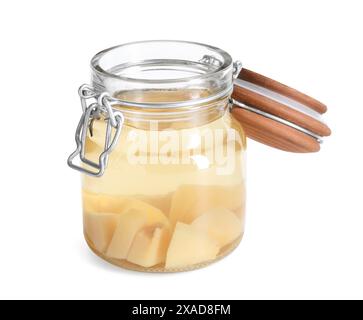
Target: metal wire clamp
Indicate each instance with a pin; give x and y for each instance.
(100, 107)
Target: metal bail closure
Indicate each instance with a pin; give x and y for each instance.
(100, 107)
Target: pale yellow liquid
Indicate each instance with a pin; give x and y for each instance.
(171, 216)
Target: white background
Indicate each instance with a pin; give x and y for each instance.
(304, 236)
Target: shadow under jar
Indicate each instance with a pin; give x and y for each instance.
(169, 194)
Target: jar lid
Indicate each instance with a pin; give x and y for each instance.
(277, 115)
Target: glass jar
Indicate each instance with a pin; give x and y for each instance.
(163, 161)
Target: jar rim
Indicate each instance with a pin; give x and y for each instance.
(96, 67)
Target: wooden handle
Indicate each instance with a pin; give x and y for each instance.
(271, 106)
(273, 133)
(276, 86)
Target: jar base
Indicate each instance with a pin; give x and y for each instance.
(159, 268)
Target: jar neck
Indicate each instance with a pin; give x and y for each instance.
(204, 72)
(175, 83)
(174, 118)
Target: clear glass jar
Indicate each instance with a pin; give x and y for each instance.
(172, 196)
